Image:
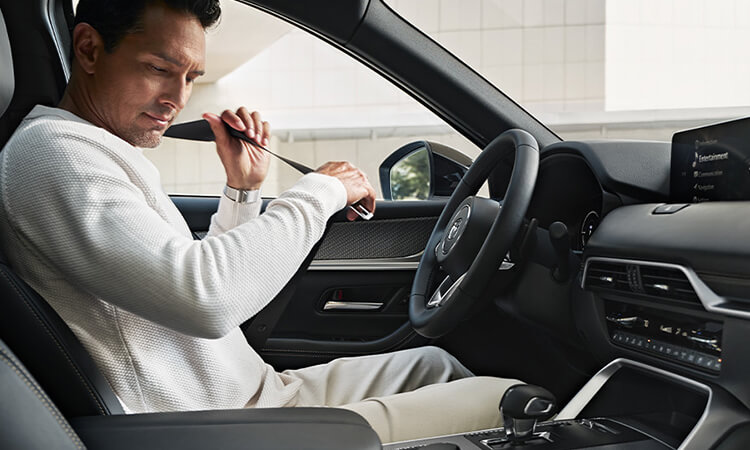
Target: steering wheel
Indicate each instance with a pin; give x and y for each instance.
(472, 236)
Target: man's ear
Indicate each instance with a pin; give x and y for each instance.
(87, 46)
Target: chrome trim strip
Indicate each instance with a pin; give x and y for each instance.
(55, 34)
(711, 301)
(402, 263)
(438, 298)
(351, 306)
(362, 264)
(587, 392)
(590, 389)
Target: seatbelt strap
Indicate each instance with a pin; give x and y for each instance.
(200, 130)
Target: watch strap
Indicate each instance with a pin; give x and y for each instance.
(241, 195)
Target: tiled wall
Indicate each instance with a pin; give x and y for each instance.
(546, 54)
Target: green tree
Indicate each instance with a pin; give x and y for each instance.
(410, 177)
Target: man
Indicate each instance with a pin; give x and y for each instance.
(85, 222)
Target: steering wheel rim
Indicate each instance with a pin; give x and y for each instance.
(434, 317)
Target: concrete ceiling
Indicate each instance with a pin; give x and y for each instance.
(242, 33)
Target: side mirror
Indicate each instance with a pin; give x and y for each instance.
(422, 170)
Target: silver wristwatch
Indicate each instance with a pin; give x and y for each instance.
(240, 195)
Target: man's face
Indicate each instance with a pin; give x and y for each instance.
(145, 82)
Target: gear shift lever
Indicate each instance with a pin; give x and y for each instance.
(522, 406)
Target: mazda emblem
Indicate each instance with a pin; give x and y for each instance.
(454, 229)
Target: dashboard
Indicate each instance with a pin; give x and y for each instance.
(660, 234)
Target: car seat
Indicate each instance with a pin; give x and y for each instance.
(29, 418)
(38, 336)
(79, 408)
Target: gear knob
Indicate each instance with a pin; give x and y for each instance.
(522, 406)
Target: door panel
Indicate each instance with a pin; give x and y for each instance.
(353, 299)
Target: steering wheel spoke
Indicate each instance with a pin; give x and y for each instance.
(445, 291)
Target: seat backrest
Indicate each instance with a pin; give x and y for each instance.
(50, 351)
(34, 38)
(28, 418)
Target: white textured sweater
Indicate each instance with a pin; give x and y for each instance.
(87, 224)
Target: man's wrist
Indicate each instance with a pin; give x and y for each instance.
(241, 195)
(243, 185)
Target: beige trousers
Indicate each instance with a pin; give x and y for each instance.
(405, 395)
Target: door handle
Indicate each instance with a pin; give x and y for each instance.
(351, 306)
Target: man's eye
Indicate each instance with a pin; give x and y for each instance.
(158, 69)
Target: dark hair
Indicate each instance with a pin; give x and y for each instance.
(113, 19)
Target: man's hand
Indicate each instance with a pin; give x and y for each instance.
(245, 165)
(358, 188)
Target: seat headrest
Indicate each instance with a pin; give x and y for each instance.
(38, 38)
(7, 78)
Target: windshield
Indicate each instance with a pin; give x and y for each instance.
(638, 69)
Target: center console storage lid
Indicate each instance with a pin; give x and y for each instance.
(272, 428)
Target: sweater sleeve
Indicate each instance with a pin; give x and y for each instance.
(90, 222)
(230, 214)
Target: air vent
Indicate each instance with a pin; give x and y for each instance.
(667, 283)
(657, 281)
(608, 275)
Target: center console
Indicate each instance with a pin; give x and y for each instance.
(626, 405)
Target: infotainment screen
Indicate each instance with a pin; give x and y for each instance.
(711, 163)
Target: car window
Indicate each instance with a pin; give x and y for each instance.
(590, 69)
(322, 105)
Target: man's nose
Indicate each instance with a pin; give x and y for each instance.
(177, 95)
